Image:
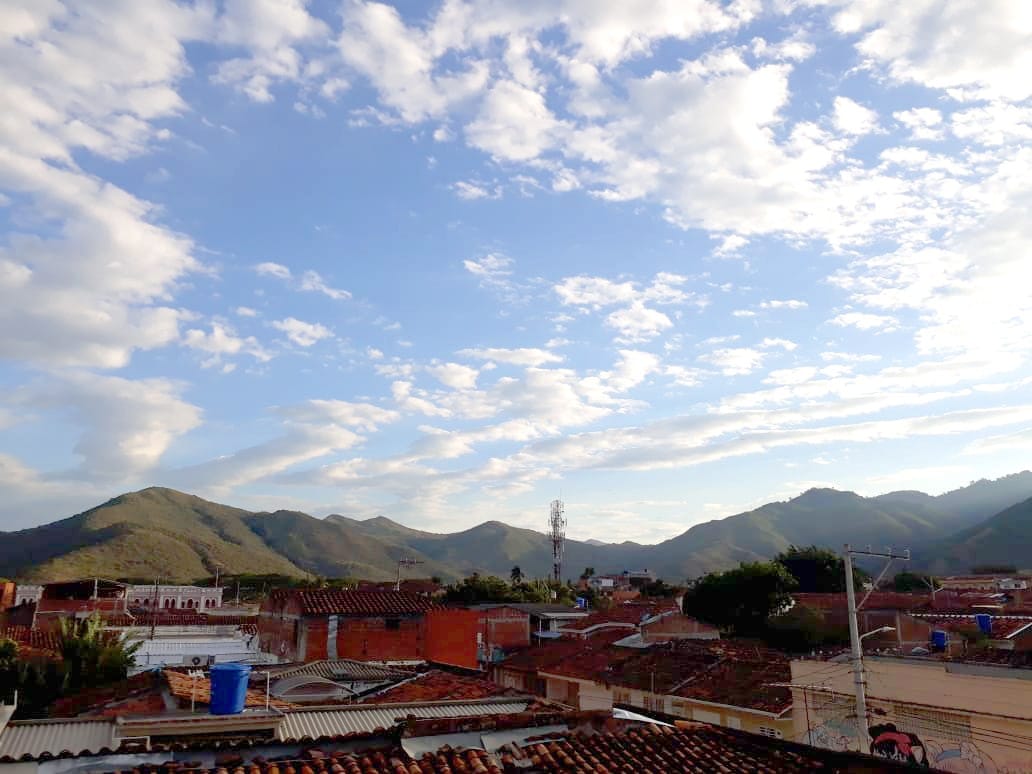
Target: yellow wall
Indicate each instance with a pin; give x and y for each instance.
(593, 696)
(950, 715)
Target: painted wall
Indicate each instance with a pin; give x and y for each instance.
(952, 717)
(595, 696)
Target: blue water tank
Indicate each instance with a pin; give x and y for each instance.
(229, 688)
(939, 639)
(985, 623)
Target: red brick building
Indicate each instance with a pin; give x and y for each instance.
(474, 638)
(312, 624)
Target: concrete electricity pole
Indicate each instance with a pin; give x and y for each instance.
(857, 655)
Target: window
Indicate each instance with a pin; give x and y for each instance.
(621, 696)
(770, 731)
(654, 703)
(392, 624)
(733, 722)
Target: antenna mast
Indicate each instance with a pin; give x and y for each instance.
(557, 532)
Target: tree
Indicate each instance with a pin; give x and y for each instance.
(740, 601)
(659, 589)
(516, 575)
(803, 629)
(818, 570)
(588, 572)
(92, 656)
(910, 581)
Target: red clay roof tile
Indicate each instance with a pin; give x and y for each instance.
(437, 685)
(360, 603)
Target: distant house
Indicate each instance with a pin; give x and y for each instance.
(545, 619)
(313, 624)
(713, 681)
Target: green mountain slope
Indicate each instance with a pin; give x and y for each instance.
(161, 532)
(151, 533)
(495, 548)
(1005, 538)
(335, 547)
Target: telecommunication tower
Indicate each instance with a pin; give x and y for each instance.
(557, 531)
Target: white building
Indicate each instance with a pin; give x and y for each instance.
(174, 597)
(27, 593)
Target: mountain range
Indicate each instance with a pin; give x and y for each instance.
(162, 532)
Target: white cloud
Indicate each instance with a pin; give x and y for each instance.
(734, 361)
(470, 190)
(455, 375)
(788, 303)
(493, 270)
(126, 425)
(638, 322)
(271, 269)
(865, 321)
(221, 341)
(361, 416)
(312, 281)
(514, 123)
(522, 356)
(785, 344)
(981, 48)
(246, 311)
(304, 334)
(924, 123)
(269, 30)
(853, 118)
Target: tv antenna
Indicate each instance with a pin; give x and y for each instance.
(557, 533)
(408, 562)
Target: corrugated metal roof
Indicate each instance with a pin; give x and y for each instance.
(347, 669)
(33, 738)
(315, 724)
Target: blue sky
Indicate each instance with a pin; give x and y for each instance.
(444, 262)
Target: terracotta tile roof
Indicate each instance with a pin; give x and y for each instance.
(360, 603)
(566, 650)
(740, 678)
(1003, 626)
(721, 671)
(32, 643)
(643, 749)
(437, 685)
(183, 687)
(630, 614)
(93, 700)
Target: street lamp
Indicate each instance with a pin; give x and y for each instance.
(879, 630)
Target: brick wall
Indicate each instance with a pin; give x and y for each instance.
(372, 639)
(278, 628)
(453, 634)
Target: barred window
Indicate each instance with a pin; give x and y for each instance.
(770, 731)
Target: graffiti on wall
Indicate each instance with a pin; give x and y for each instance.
(889, 741)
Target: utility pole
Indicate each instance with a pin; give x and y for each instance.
(857, 654)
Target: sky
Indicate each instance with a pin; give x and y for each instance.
(666, 259)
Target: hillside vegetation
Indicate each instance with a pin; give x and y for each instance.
(159, 532)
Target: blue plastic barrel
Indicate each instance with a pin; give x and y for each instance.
(985, 623)
(229, 688)
(939, 639)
